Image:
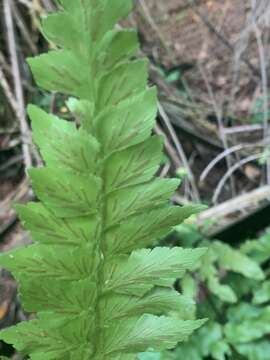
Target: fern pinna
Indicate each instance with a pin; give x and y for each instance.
(97, 292)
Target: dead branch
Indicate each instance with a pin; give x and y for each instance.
(239, 203)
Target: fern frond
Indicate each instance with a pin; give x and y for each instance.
(97, 293)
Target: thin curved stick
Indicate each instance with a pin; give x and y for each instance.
(223, 155)
(230, 172)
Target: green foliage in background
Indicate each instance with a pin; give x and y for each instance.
(98, 293)
(258, 109)
(232, 288)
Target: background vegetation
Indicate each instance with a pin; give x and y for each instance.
(210, 61)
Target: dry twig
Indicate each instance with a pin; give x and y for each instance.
(23, 29)
(239, 203)
(8, 93)
(17, 80)
(230, 171)
(180, 151)
(223, 155)
(222, 134)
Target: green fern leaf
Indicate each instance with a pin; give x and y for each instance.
(97, 293)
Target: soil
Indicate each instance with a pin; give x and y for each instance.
(210, 34)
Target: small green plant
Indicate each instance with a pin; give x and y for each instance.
(98, 290)
(233, 291)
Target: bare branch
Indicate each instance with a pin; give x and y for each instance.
(239, 203)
